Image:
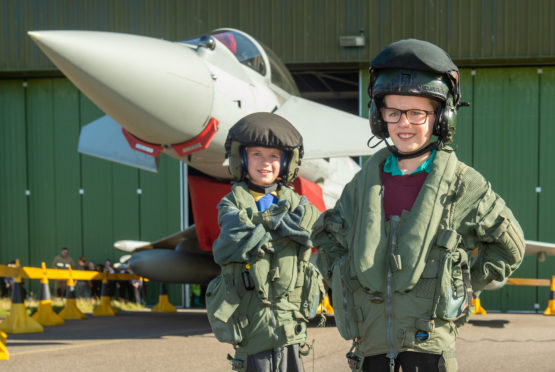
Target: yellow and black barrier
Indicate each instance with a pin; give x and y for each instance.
(163, 305)
(325, 307)
(551, 303)
(17, 320)
(550, 310)
(27, 272)
(4, 355)
(105, 307)
(478, 309)
(45, 314)
(70, 310)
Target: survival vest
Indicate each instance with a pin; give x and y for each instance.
(405, 284)
(265, 301)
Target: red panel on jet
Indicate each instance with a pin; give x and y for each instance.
(312, 191)
(206, 193)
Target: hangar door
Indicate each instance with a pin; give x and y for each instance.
(51, 196)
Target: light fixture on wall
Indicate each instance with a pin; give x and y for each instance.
(349, 41)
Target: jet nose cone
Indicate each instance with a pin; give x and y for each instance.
(160, 91)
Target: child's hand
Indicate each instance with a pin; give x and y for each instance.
(272, 217)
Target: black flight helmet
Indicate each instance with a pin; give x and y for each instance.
(266, 130)
(415, 68)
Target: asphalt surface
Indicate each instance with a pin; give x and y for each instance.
(182, 341)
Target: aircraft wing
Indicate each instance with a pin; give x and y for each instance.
(104, 139)
(327, 132)
(534, 247)
(169, 242)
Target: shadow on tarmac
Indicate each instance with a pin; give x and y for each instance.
(125, 325)
(498, 323)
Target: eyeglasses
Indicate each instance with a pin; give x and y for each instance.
(414, 116)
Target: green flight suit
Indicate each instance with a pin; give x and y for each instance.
(400, 285)
(264, 260)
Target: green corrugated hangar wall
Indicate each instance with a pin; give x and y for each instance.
(506, 136)
(52, 197)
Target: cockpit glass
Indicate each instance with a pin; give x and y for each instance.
(245, 51)
(248, 54)
(280, 74)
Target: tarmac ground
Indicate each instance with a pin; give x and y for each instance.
(183, 341)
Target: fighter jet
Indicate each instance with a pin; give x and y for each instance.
(180, 99)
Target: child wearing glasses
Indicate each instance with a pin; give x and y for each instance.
(395, 248)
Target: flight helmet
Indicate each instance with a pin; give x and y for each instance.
(266, 130)
(415, 68)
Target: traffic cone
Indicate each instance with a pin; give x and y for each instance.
(325, 306)
(18, 321)
(551, 303)
(4, 355)
(70, 310)
(478, 309)
(45, 315)
(163, 305)
(105, 307)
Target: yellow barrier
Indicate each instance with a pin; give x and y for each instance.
(163, 305)
(4, 355)
(38, 273)
(550, 310)
(17, 320)
(105, 308)
(529, 282)
(45, 315)
(70, 310)
(479, 310)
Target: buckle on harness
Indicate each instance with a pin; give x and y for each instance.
(236, 363)
(354, 361)
(305, 348)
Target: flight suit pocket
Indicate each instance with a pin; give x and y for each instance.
(313, 291)
(222, 303)
(343, 299)
(454, 292)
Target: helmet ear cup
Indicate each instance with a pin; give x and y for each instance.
(377, 125)
(291, 169)
(284, 164)
(244, 160)
(236, 160)
(446, 122)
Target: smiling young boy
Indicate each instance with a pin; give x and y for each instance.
(395, 248)
(268, 289)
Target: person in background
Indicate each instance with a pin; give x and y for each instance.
(62, 261)
(95, 285)
(111, 287)
(136, 285)
(82, 287)
(4, 285)
(124, 287)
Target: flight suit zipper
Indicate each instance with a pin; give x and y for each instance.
(389, 295)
